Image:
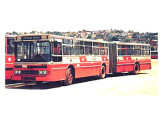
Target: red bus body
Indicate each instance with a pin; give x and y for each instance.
(82, 65)
(154, 54)
(9, 56)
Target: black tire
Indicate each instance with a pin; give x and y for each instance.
(39, 83)
(103, 72)
(136, 69)
(69, 77)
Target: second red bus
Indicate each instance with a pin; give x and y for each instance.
(9, 56)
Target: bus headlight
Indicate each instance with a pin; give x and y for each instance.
(42, 72)
(17, 72)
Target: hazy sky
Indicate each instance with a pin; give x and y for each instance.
(74, 15)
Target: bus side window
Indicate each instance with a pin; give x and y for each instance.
(137, 50)
(121, 51)
(106, 51)
(96, 51)
(102, 51)
(129, 49)
(57, 51)
(67, 50)
(145, 50)
(57, 48)
(88, 50)
(88, 43)
(79, 50)
(106, 45)
(68, 41)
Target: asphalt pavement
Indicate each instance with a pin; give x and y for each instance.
(145, 83)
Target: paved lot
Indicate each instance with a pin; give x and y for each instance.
(145, 83)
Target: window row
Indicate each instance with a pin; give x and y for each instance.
(134, 46)
(80, 50)
(133, 52)
(86, 43)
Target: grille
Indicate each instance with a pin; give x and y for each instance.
(37, 66)
(32, 72)
(16, 66)
(8, 68)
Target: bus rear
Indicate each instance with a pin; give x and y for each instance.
(154, 54)
(133, 57)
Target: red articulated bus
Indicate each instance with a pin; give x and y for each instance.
(60, 58)
(154, 54)
(9, 56)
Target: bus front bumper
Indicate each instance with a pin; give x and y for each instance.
(33, 78)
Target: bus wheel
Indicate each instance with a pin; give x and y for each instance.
(69, 77)
(103, 72)
(136, 69)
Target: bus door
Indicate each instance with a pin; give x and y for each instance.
(57, 50)
(112, 57)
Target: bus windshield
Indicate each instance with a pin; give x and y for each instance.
(33, 51)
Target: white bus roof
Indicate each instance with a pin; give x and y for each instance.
(82, 39)
(10, 35)
(63, 37)
(125, 43)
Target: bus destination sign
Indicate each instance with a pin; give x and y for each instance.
(30, 37)
(10, 38)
